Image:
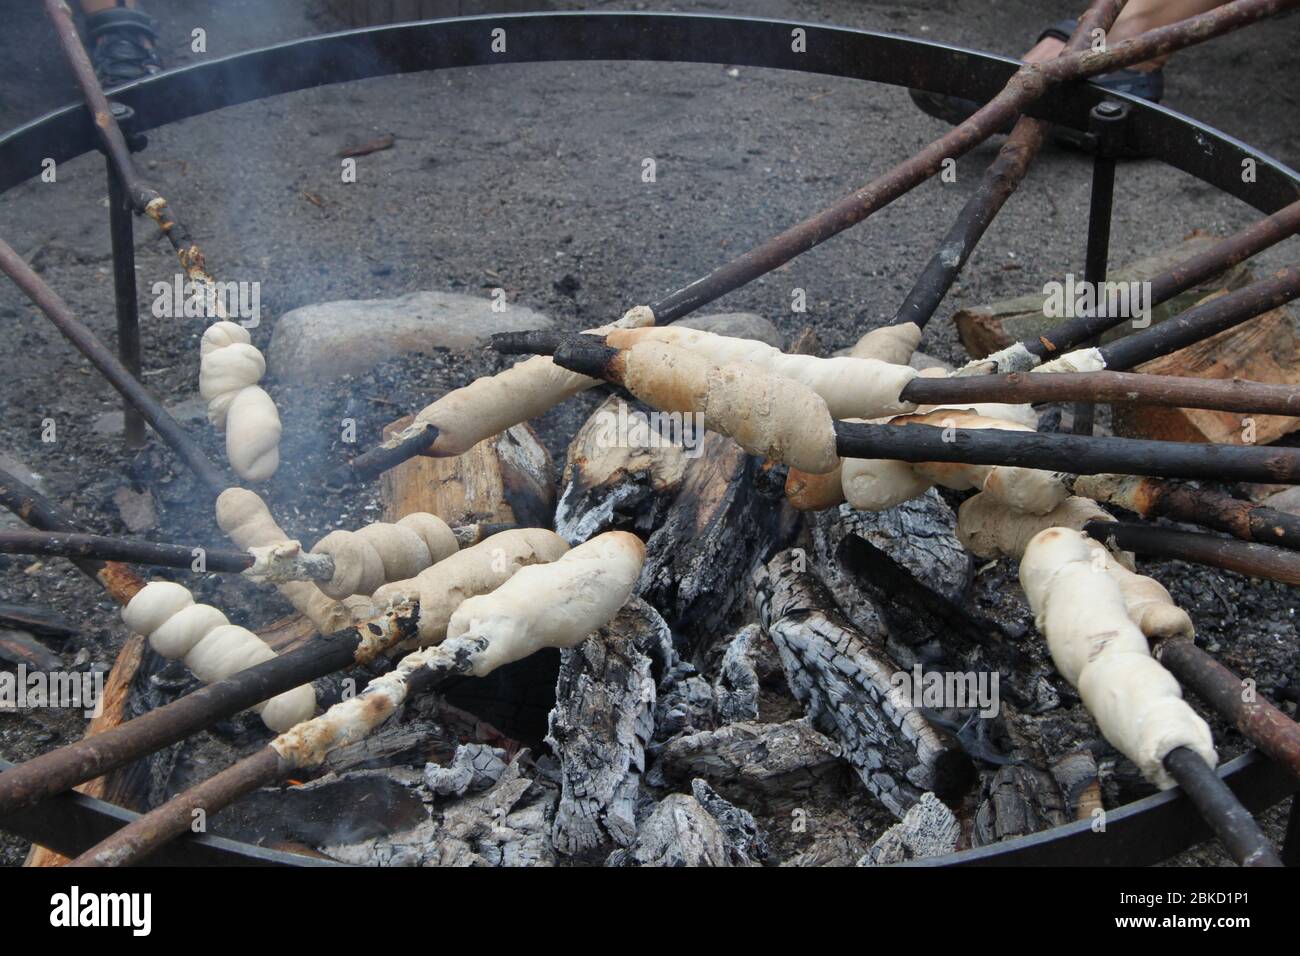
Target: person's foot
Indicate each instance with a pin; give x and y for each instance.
(122, 45)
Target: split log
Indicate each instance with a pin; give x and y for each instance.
(602, 721)
(20, 647)
(749, 663)
(508, 478)
(680, 832)
(928, 829)
(847, 681)
(747, 760)
(1019, 800)
(617, 477)
(903, 574)
(1261, 350)
(987, 328)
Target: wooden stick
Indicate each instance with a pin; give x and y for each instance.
(1028, 84)
(56, 771)
(1001, 179)
(1116, 387)
(1254, 560)
(1220, 808)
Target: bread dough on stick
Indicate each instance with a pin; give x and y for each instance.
(889, 343)
(766, 414)
(489, 405)
(553, 605)
(229, 369)
(382, 552)
(211, 647)
(477, 570)
(850, 387)
(244, 517)
(1136, 702)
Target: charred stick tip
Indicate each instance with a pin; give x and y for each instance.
(588, 355)
(406, 444)
(530, 342)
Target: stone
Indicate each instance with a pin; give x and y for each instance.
(327, 340)
(138, 510)
(741, 325)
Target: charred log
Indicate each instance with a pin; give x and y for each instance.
(849, 685)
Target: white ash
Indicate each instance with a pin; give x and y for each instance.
(473, 768)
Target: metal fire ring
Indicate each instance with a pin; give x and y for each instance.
(1141, 832)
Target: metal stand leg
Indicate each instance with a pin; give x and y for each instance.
(1106, 121)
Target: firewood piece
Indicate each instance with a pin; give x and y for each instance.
(508, 825)
(1261, 350)
(737, 824)
(1076, 775)
(988, 328)
(845, 678)
(473, 768)
(699, 559)
(746, 758)
(508, 478)
(620, 472)
(927, 829)
(1019, 800)
(680, 832)
(36, 620)
(602, 720)
(736, 689)
(20, 647)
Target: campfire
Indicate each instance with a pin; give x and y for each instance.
(766, 589)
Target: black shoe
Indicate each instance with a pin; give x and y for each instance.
(122, 45)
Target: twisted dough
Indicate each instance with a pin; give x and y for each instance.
(210, 646)
(381, 552)
(862, 387)
(552, 605)
(244, 517)
(229, 370)
(767, 414)
(889, 343)
(489, 405)
(1098, 648)
(487, 565)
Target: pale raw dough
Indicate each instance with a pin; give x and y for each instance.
(767, 414)
(382, 552)
(243, 516)
(229, 370)
(1097, 647)
(988, 529)
(552, 605)
(890, 343)
(1083, 360)
(489, 405)
(850, 387)
(477, 570)
(211, 647)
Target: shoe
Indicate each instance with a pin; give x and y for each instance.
(122, 45)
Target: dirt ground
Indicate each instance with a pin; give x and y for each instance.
(527, 177)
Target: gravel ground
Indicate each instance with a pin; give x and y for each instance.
(527, 177)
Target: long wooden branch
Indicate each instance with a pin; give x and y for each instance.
(1243, 557)
(1232, 395)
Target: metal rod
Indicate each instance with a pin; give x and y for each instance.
(1107, 119)
(64, 768)
(1220, 808)
(1229, 395)
(1029, 83)
(108, 364)
(1242, 557)
(1235, 700)
(1001, 179)
(1237, 248)
(126, 303)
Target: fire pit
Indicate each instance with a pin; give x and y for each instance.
(850, 614)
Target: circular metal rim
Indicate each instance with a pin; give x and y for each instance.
(1177, 140)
